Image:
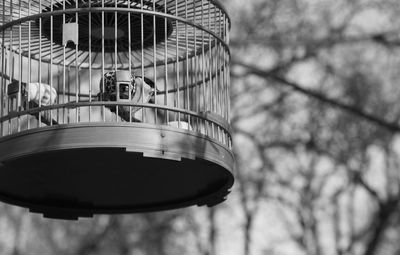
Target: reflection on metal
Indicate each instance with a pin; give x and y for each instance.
(114, 106)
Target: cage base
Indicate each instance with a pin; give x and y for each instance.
(69, 183)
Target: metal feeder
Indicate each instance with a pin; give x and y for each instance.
(114, 106)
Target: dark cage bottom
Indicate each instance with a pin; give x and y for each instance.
(68, 183)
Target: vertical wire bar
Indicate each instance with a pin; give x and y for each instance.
(8, 70)
(69, 91)
(210, 75)
(217, 67)
(51, 60)
(20, 70)
(214, 65)
(198, 88)
(29, 80)
(195, 69)
(130, 58)
(103, 108)
(64, 71)
(3, 64)
(217, 71)
(177, 64)
(6, 98)
(166, 62)
(77, 85)
(58, 82)
(187, 64)
(193, 87)
(226, 74)
(222, 73)
(116, 57)
(90, 60)
(10, 63)
(228, 78)
(193, 93)
(40, 66)
(203, 62)
(155, 60)
(210, 68)
(223, 70)
(209, 60)
(11, 70)
(11, 40)
(142, 57)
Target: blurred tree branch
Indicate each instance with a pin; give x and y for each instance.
(92, 242)
(250, 203)
(384, 38)
(254, 70)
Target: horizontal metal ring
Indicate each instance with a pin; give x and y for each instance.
(208, 116)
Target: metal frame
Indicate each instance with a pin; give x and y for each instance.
(190, 66)
(178, 55)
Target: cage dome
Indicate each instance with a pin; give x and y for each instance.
(113, 106)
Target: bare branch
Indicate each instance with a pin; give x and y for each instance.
(358, 179)
(381, 222)
(391, 126)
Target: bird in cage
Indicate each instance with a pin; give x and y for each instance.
(33, 95)
(122, 86)
(40, 94)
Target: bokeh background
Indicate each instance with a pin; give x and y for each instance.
(315, 112)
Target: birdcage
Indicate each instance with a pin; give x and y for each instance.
(114, 106)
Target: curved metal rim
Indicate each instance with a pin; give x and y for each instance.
(145, 126)
(222, 8)
(117, 124)
(208, 117)
(210, 198)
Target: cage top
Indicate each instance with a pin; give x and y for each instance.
(180, 8)
(128, 33)
(36, 25)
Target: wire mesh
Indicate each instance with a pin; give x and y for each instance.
(161, 62)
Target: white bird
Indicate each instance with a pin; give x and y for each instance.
(38, 95)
